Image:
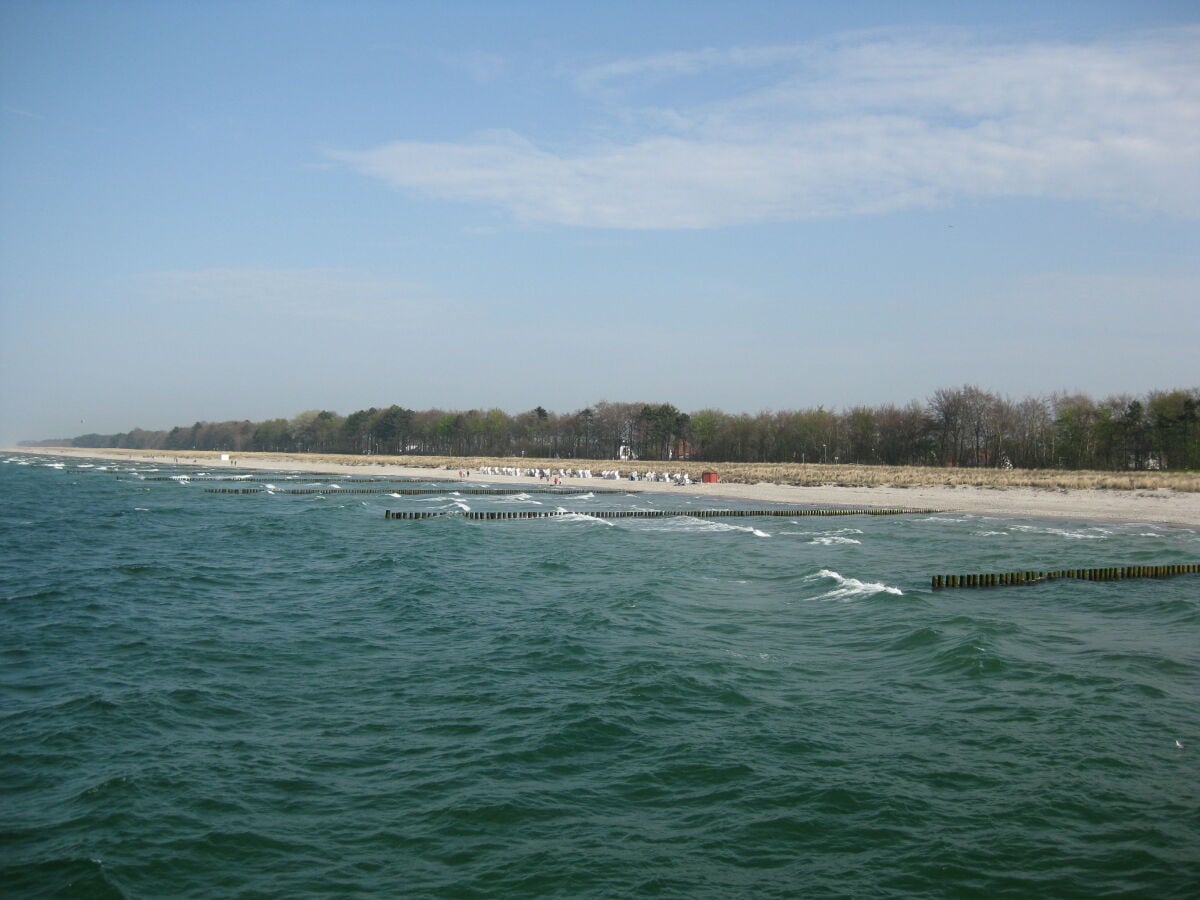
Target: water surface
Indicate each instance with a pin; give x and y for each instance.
(288, 695)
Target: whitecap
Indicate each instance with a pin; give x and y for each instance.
(686, 524)
(566, 515)
(849, 588)
(829, 536)
(1089, 534)
(825, 531)
(519, 498)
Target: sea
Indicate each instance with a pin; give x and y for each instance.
(272, 694)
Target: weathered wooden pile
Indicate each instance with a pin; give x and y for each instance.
(1105, 573)
(490, 516)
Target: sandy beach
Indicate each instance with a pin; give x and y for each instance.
(1160, 507)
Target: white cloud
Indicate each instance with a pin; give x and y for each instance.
(859, 125)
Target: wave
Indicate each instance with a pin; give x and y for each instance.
(567, 515)
(443, 502)
(1094, 533)
(519, 498)
(829, 537)
(849, 588)
(60, 876)
(685, 524)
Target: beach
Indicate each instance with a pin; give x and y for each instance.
(1152, 506)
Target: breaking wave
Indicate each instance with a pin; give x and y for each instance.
(850, 588)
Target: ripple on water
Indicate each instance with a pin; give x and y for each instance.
(285, 695)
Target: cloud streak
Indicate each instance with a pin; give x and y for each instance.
(859, 125)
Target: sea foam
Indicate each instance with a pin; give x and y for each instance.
(850, 588)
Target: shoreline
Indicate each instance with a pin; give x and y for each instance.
(1149, 506)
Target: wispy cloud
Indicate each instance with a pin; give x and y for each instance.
(481, 67)
(23, 113)
(858, 125)
(684, 63)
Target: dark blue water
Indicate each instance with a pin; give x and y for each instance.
(206, 695)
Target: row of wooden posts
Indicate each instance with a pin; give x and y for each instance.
(1107, 573)
(490, 516)
(352, 479)
(411, 492)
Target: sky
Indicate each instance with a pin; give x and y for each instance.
(214, 211)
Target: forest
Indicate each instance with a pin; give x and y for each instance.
(962, 427)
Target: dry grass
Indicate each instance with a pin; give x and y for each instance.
(809, 475)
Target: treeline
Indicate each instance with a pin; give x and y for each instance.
(964, 426)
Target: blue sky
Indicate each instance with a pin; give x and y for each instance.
(244, 210)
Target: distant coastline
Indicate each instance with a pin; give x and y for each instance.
(1164, 498)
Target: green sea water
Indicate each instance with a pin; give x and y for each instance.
(208, 695)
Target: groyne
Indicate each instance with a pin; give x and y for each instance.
(1104, 573)
(491, 516)
(292, 476)
(415, 492)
